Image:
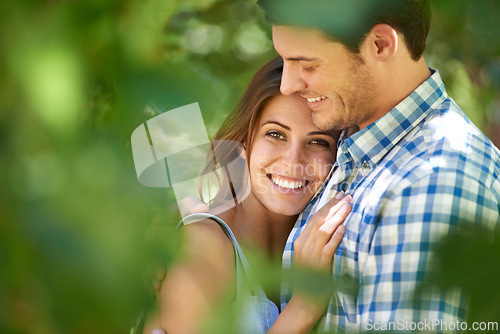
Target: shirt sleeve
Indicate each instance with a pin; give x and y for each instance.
(410, 222)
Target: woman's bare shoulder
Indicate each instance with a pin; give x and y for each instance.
(204, 276)
(207, 240)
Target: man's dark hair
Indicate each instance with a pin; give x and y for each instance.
(349, 21)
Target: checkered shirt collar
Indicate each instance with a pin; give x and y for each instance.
(368, 146)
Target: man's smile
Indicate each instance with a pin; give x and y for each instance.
(315, 99)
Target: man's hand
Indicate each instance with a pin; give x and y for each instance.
(158, 331)
(192, 204)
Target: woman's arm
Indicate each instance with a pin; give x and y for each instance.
(314, 249)
(197, 282)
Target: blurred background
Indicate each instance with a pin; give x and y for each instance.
(77, 230)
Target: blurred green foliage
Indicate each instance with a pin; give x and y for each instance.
(463, 45)
(470, 259)
(77, 230)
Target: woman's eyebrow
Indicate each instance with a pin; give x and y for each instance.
(313, 133)
(277, 123)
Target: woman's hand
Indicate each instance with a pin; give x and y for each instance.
(318, 241)
(313, 252)
(316, 245)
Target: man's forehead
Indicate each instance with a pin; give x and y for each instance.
(299, 33)
(296, 43)
(291, 29)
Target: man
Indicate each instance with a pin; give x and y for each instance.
(413, 162)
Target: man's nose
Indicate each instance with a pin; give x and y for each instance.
(291, 80)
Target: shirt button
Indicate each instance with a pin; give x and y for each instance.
(365, 164)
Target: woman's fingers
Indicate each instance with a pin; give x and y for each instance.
(333, 221)
(320, 238)
(332, 246)
(337, 206)
(335, 231)
(322, 214)
(325, 224)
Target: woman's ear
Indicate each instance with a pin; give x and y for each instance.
(381, 43)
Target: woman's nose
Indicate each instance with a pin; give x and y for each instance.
(291, 80)
(293, 155)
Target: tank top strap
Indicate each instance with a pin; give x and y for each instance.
(245, 280)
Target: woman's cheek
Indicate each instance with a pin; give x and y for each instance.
(316, 165)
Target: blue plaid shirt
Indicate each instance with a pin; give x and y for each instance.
(413, 174)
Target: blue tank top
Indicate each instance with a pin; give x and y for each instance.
(257, 313)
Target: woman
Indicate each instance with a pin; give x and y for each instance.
(288, 158)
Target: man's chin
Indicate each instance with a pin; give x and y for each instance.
(325, 123)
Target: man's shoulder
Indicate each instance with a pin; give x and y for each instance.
(448, 125)
(447, 141)
(444, 149)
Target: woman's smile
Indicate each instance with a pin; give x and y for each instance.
(287, 184)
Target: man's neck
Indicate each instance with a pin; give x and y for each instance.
(397, 82)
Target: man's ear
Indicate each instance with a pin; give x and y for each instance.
(381, 43)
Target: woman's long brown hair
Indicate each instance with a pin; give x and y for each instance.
(237, 131)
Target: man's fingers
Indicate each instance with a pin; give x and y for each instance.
(160, 276)
(192, 204)
(158, 331)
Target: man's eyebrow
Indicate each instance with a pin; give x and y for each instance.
(277, 123)
(324, 133)
(301, 59)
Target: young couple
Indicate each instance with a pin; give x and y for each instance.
(413, 165)
(288, 160)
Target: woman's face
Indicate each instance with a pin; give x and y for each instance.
(290, 156)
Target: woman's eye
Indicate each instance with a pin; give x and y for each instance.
(320, 142)
(310, 69)
(276, 135)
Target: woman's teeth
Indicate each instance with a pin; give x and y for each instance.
(288, 184)
(316, 99)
